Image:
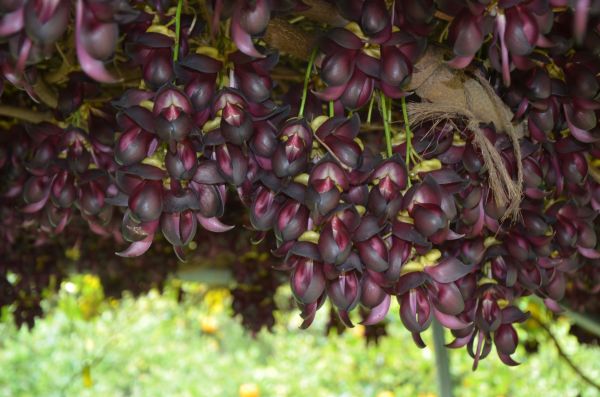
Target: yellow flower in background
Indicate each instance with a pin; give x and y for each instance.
(358, 331)
(86, 375)
(209, 325)
(385, 393)
(73, 253)
(249, 390)
(215, 299)
(92, 282)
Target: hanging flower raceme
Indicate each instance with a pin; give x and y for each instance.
(535, 95)
(389, 180)
(199, 73)
(264, 209)
(516, 28)
(178, 223)
(61, 178)
(368, 53)
(172, 111)
(295, 144)
(432, 210)
(550, 103)
(97, 32)
(372, 248)
(292, 221)
(195, 191)
(138, 140)
(339, 136)
(326, 182)
(344, 292)
(307, 279)
(491, 318)
(140, 189)
(249, 19)
(427, 288)
(153, 53)
(34, 26)
(252, 75)
(414, 16)
(335, 242)
(345, 69)
(374, 297)
(181, 163)
(581, 111)
(210, 187)
(574, 230)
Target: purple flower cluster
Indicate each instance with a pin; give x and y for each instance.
(350, 223)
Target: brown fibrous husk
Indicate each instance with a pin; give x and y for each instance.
(450, 94)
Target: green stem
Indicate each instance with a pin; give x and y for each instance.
(386, 125)
(30, 116)
(408, 132)
(311, 61)
(221, 79)
(370, 109)
(177, 29)
(331, 109)
(590, 381)
(588, 323)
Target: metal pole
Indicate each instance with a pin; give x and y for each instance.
(442, 360)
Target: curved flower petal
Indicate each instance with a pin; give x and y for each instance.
(92, 67)
(378, 312)
(213, 224)
(138, 248)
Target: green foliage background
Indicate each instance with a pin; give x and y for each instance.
(155, 346)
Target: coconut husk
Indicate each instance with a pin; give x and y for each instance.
(449, 94)
(289, 39)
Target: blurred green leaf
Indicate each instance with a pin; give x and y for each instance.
(155, 346)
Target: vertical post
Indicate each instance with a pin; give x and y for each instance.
(442, 360)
